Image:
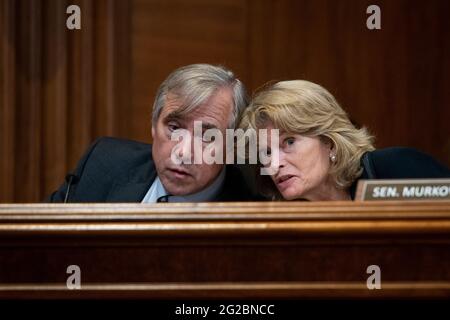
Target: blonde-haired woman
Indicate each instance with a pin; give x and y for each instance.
(321, 154)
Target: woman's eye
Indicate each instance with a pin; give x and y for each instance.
(289, 141)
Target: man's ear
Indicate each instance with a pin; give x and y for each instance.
(153, 132)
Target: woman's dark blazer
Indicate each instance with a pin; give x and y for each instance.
(399, 163)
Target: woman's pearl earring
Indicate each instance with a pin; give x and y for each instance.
(332, 157)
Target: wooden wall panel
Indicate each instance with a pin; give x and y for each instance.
(81, 86)
(104, 69)
(55, 95)
(60, 89)
(28, 104)
(7, 100)
(392, 80)
(170, 34)
(123, 66)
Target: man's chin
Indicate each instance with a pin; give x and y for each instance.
(177, 189)
(177, 192)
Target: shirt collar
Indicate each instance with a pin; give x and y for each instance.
(208, 194)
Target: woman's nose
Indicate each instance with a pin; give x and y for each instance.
(279, 159)
(276, 161)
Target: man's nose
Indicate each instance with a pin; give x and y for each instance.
(184, 149)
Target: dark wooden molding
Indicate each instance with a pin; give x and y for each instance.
(226, 250)
(276, 290)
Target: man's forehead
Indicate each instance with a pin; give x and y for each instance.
(172, 103)
(217, 107)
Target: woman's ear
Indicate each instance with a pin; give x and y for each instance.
(332, 147)
(329, 143)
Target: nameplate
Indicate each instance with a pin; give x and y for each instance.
(405, 189)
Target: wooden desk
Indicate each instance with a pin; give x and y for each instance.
(219, 250)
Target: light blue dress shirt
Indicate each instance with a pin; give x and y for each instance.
(208, 194)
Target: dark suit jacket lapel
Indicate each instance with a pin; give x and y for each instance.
(134, 189)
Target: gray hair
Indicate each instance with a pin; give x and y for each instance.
(195, 84)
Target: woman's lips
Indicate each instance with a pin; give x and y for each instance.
(284, 182)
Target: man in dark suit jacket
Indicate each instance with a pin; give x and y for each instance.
(192, 100)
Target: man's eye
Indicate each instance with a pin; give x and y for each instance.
(208, 139)
(172, 127)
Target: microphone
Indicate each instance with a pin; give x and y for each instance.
(70, 179)
(163, 198)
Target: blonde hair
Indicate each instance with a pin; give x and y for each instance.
(306, 108)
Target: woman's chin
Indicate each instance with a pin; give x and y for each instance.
(290, 195)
